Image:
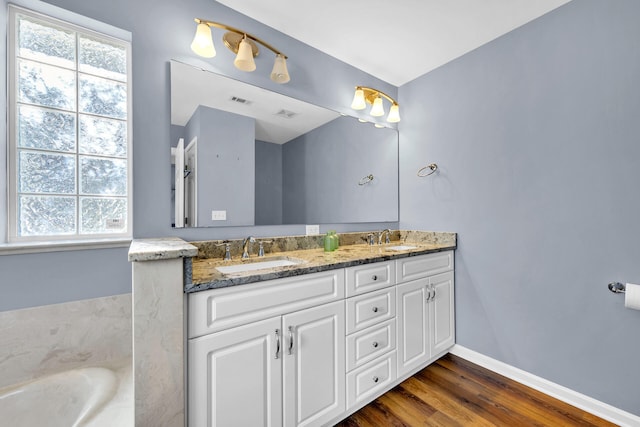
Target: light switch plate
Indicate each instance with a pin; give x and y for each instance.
(313, 230)
(218, 215)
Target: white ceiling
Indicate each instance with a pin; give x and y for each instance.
(278, 118)
(395, 41)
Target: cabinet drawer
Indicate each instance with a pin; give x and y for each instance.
(369, 277)
(218, 309)
(368, 309)
(366, 382)
(422, 266)
(370, 343)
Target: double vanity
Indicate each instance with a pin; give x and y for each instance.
(299, 336)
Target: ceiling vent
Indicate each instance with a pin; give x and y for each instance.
(286, 114)
(240, 100)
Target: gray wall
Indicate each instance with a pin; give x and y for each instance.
(268, 197)
(338, 155)
(537, 139)
(162, 30)
(225, 165)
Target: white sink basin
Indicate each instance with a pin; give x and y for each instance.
(401, 248)
(260, 265)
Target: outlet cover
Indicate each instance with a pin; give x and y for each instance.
(218, 215)
(313, 230)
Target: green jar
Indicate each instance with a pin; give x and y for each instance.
(328, 242)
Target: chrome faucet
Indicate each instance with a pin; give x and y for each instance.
(245, 246)
(388, 239)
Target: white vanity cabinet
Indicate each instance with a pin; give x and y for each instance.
(235, 377)
(310, 350)
(285, 370)
(425, 309)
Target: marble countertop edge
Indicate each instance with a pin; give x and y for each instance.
(160, 249)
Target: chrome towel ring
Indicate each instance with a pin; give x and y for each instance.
(365, 180)
(433, 167)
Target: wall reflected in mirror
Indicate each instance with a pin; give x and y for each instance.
(243, 156)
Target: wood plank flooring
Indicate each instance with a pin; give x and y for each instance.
(455, 392)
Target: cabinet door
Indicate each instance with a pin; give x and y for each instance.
(442, 313)
(235, 378)
(413, 324)
(314, 365)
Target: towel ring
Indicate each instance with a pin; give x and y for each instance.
(365, 180)
(433, 168)
(617, 287)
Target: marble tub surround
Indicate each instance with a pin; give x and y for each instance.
(309, 250)
(48, 339)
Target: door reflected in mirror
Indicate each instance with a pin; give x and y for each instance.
(243, 156)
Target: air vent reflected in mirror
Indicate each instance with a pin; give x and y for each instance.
(286, 114)
(240, 100)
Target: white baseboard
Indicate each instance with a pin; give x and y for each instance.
(586, 403)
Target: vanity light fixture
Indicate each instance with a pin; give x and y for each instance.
(374, 97)
(243, 44)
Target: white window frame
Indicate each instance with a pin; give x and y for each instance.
(77, 240)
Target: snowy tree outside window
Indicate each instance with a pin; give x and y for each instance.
(69, 166)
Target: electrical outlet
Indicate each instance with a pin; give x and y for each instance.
(218, 215)
(313, 230)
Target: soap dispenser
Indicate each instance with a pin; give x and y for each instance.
(328, 242)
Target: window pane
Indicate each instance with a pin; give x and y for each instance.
(46, 173)
(103, 176)
(46, 215)
(46, 129)
(46, 85)
(103, 59)
(103, 136)
(103, 215)
(45, 42)
(103, 97)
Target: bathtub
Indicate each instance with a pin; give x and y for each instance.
(84, 397)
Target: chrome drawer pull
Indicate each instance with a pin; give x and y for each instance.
(277, 343)
(290, 349)
(375, 277)
(375, 344)
(375, 309)
(376, 379)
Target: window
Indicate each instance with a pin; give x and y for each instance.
(69, 131)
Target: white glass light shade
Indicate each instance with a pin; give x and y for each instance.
(378, 109)
(244, 60)
(358, 100)
(202, 43)
(279, 74)
(394, 114)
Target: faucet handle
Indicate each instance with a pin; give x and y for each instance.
(370, 237)
(261, 249)
(227, 250)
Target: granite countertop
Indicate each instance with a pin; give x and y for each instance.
(311, 259)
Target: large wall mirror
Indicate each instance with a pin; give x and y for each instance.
(244, 156)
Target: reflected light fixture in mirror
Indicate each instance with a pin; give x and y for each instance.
(364, 95)
(243, 44)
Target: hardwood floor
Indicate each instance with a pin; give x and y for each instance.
(455, 392)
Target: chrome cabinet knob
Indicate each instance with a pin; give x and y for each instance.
(375, 309)
(376, 379)
(375, 344)
(374, 277)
